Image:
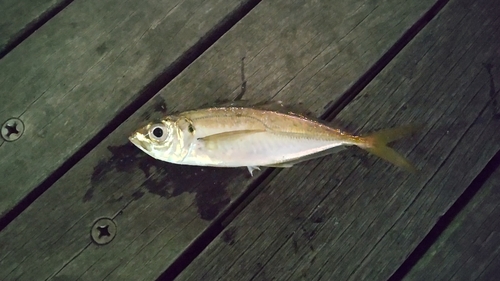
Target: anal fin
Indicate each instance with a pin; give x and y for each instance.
(290, 163)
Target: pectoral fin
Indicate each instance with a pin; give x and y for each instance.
(229, 135)
(252, 168)
(211, 141)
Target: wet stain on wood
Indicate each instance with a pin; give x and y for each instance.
(165, 179)
(168, 180)
(229, 235)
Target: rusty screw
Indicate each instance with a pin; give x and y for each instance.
(12, 129)
(103, 231)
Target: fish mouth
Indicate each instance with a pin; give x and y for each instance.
(137, 140)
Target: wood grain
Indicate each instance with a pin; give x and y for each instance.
(341, 219)
(17, 17)
(304, 51)
(469, 248)
(81, 69)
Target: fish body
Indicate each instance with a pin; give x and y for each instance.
(251, 137)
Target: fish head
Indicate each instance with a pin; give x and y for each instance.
(162, 140)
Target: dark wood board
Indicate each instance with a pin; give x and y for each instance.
(340, 219)
(81, 69)
(469, 248)
(17, 17)
(297, 52)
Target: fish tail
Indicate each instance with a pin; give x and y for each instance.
(376, 143)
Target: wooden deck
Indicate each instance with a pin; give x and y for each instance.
(82, 75)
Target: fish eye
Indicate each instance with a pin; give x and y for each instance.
(157, 132)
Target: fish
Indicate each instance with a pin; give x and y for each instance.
(252, 137)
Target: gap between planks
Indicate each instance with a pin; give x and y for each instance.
(267, 175)
(447, 218)
(33, 26)
(149, 91)
(462, 200)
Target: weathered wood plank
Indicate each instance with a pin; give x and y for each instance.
(295, 51)
(469, 248)
(337, 219)
(88, 63)
(17, 17)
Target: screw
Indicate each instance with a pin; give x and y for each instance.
(103, 231)
(12, 129)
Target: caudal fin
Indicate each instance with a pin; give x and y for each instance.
(376, 143)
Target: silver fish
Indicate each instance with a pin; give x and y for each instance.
(235, 136)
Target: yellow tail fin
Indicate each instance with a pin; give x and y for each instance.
(376, 143)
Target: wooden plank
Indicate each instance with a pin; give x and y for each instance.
(469, 248)
(296, 51)
(90, 62)
(17, 17)
(337, 219)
